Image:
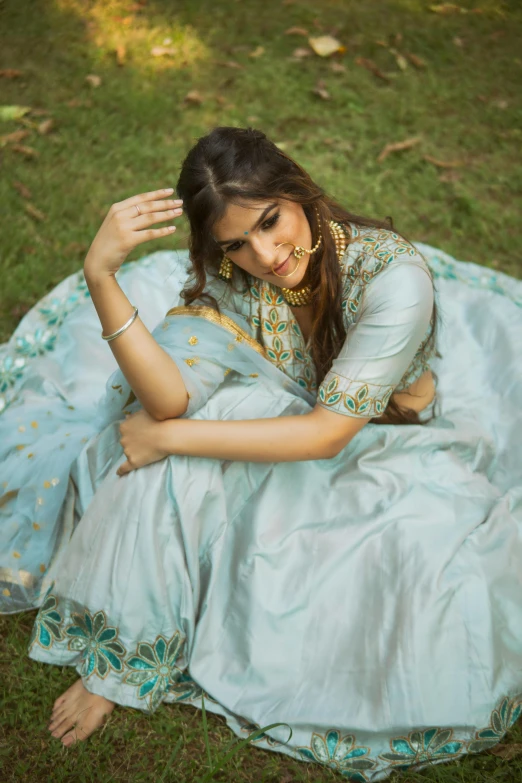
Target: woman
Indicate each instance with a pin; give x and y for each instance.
(223, 523)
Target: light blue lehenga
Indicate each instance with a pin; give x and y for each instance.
(372, 602)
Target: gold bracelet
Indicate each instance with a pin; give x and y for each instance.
(123, 328)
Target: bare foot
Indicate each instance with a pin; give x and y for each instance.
(77, 713)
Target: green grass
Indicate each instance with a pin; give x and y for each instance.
(131, 133)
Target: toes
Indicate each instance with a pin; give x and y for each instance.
(69, 739)
(62, 726)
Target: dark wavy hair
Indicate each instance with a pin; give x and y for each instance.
(237, 165)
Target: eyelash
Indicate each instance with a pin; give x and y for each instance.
(270, 223)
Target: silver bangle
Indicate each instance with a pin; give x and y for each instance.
(123, 328)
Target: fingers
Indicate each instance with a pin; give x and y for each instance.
(124, 469)
(153, 195)
(146, 207)
(148, 219)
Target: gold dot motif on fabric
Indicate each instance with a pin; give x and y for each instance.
(21, 428)
(20, 447)
(229, 369)
(42, 567)
(34, 425)
(6, 592)
(165, 325)
(39, 501)
(5, 484)
(67, 434)
(17, 555)
(230, 347)
(47, 484)
(84, 440)
(30, 455)
(191, 362)
(239, 339)
(71, 407)
(55, 481)
(254, 375)
(189, 395)
(36, 526)
(193, 340)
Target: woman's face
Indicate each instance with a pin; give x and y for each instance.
(253, 236)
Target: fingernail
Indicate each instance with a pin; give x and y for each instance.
(168, 190)
(178, 201)
(172, 228)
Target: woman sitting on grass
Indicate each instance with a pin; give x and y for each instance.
(228, 522)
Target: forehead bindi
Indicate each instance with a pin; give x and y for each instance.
(239, 220)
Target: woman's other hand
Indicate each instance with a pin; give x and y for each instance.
(140, 437)
(128, 224)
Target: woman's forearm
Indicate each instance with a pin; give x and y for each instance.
(151, 373)
(283, 439)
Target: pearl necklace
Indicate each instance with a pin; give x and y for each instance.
(302, 296)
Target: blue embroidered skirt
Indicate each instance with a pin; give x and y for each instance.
(371, 602)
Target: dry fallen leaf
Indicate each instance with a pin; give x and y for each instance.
(46, 127)
(297, 31)
(506, 751)
(11, 73)
(325, 45)
(444, 164)
(321, 91)
(257, 52)
(400, 59)
(373, 68)
(34, 212)
(418, 62)
(458, 42)
(39, 112)
(447, 8)
(163, 51)
(231, 64)
(194, 98)
(252, 118)
(500, 103)
(76, 103)
(300, 53)
(27, 152)
(398, 146)
(13, 112)
(14, 138)
(93, 80)
(121, 54)
(21, 189)
(337, 67)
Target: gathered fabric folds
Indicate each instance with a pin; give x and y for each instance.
(370, 603)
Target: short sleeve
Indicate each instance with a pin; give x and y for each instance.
(395, 316)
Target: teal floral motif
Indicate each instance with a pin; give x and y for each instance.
(185, 689)
(10, 370)
(341, 754)
(421, 747)
(153, 668)
(361, 402)
(98, 643)
(56, 310)
(501, 720)
(37, 343)
(46, 628)
(329, 394)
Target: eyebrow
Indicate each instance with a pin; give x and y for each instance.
(256, 224)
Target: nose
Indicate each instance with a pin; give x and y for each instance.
(266, 252)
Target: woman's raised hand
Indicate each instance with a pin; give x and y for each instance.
(128, 224)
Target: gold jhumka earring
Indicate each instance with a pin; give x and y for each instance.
(225, 269)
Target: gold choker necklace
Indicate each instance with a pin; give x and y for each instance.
(296, 297)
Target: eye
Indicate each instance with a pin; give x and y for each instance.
(234, 247)
(271, 221)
